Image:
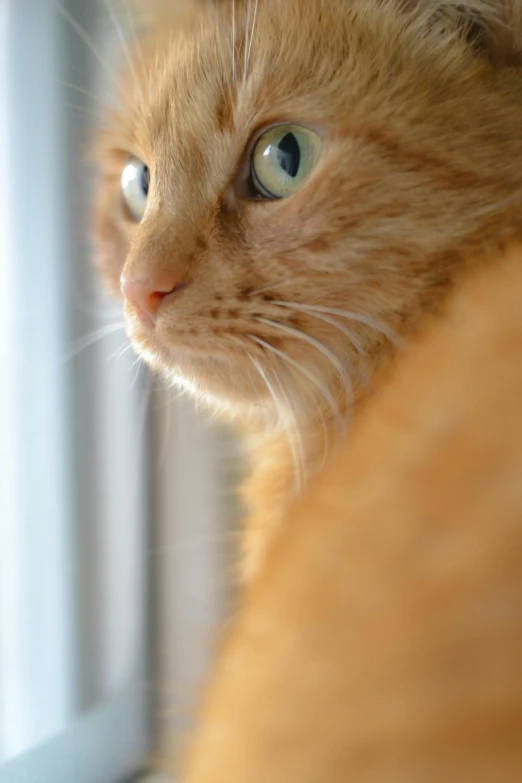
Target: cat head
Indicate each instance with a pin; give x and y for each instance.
(286, 186)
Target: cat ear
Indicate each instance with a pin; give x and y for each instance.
(493, 27)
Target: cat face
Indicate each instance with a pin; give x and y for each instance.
(286, 187)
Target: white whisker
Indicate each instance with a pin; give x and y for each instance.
(252, 31)
(307, 374)
(326, 352)
(296, 453)
(138, 362)
(323, 425)
(269, 386)
(326, 319)
(352, 339)
(81, 90)
(80, 108)
(351, 316)
(123, 42)
(92, 338)
(234, 74)
(86, 38)
(271, 286)
(117, 355)
(245, 43)
(135, 38)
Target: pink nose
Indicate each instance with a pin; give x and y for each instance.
(146, 294)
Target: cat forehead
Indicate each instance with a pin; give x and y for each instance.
(207, 90)
(200, 102)
(234, 73)
(307, 61)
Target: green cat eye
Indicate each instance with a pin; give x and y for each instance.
(135, 179)
(282, 160)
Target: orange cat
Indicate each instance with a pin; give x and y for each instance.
(383, 641)
(289, 187)
(288, 190)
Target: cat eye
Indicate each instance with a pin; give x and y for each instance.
(135, 180)
(282, 160)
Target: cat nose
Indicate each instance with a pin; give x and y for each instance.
(147, 294)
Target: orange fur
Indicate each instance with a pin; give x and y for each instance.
(383, 640)
(419, 105)
(421, 134)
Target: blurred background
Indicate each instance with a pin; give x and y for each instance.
(117, 512)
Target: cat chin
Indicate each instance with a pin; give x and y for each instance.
(229, 402)
(226, 386)
(216, 383)
(219, 390)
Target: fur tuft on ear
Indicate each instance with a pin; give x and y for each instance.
(493, 27)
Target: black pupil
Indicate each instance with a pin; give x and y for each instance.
(289, 154)
(145, 180)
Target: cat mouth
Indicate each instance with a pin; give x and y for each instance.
(186, 346)
(217, 370)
